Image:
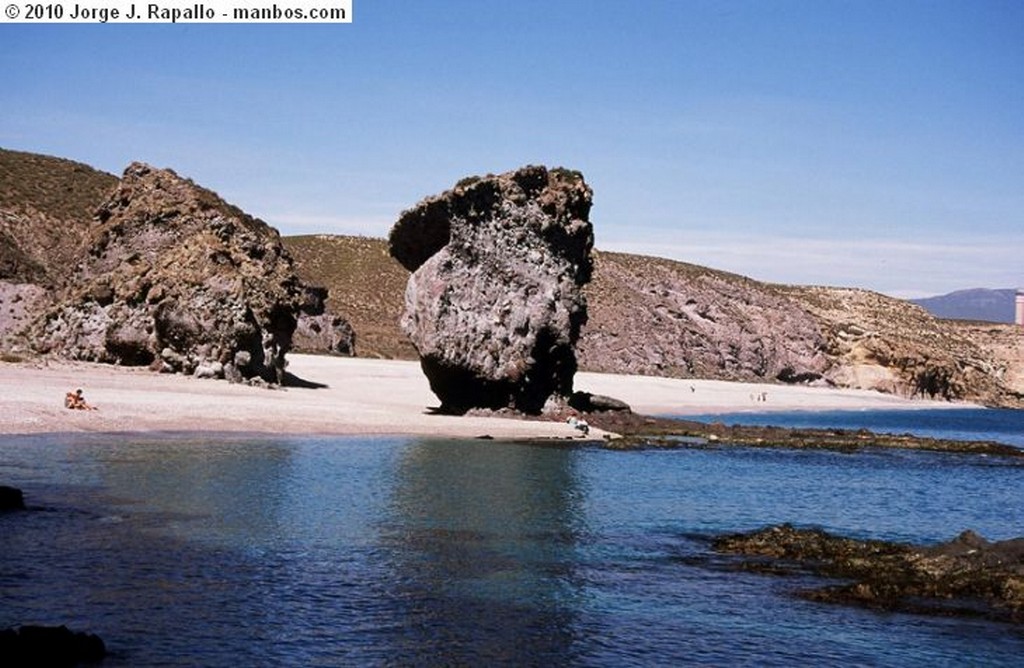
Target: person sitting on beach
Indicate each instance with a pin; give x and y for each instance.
(578, 424)
(76, 401)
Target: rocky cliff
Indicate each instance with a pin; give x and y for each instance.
(494, 305)
(659, 317)
(1003, 347)
(886, 344)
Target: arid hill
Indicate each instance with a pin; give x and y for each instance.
(46, 212)
(365, 285)
(47, 207)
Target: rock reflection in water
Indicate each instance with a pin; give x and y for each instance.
(482, 538)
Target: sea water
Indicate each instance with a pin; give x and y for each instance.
(232, 551)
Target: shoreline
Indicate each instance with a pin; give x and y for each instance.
(357, 396)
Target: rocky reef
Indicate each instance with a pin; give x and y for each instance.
(494, 305)
(966, 576)
(176, 278)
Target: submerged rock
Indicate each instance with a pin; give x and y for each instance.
(494, 305)
(11, 498)
(176, 278)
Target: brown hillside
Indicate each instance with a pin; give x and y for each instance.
(365, 285)
(46, 212)
(878, 342)
(1004, 343)
(653, 316)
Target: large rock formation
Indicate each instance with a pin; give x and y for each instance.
(494, 305)
(176, 278)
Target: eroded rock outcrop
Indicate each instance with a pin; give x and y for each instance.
(880, 343)
(652, 316)
(176, 278)
(494, 306)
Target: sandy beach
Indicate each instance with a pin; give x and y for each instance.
(358, 396)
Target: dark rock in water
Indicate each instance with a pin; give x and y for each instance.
(176, 278)
(966, 576)
(50, 646)
(494, 305)
(11, 498)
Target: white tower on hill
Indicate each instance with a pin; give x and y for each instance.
(1019, 318)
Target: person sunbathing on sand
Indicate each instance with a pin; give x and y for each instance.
(76, 401)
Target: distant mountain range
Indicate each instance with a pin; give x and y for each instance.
(976, 304)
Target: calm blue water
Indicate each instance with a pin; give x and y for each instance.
(977, 424)
(352, 551)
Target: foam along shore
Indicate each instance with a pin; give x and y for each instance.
(350, 396)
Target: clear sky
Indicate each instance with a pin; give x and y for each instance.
(875, 144)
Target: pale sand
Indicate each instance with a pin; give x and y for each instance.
(361, 396)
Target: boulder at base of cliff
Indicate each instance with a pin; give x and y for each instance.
(176, 278)
(324, 333)
(494, 305)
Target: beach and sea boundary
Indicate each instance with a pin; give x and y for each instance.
(357, 396)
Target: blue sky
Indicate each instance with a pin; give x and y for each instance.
(875, 144)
